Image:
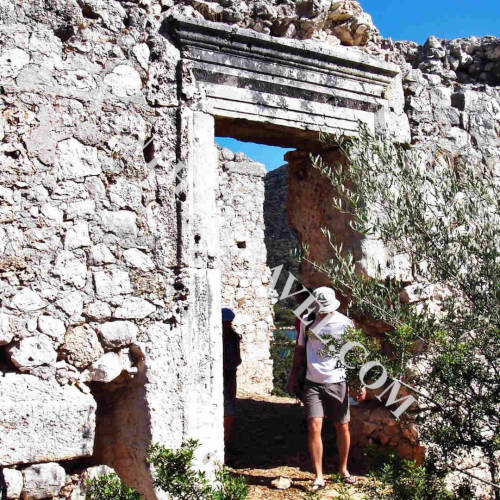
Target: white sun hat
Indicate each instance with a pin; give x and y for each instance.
(326, 300)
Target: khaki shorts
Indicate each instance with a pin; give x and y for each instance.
(327, 400)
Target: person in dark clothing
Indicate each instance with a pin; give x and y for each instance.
(231, 361)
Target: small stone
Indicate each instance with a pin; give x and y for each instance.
(81, 346)
(118, 333)
(105, 369)
(80, 208)
(27, 300)
(95, 187)
(141, 53)
(134, 308)
(12, 61)
(52, 327)
(98, 311)
(126, 194)
(111, 283)
(66, 373)
(100, 254)
(135, 258)
(8, 328)
(122, 223)
(77, 236)
(75, 160)
(281, 483)
(71, 304)
(124, 81)
(32, 352)
(227, 154)
(70, 269)
(14, 482)
(52, 212)
(43, 481)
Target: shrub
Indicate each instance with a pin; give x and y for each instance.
(175, 475)
(109, 487)
(231, 487)
(395, 478)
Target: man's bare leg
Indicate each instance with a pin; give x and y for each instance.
(315, 445)
(343, 443)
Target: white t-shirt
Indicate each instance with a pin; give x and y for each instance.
(320, 369)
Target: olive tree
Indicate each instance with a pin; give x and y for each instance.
(443, 217)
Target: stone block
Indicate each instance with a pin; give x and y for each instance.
(105, 369)
(98, 311)
(33, 352)
(52, 327)
(134, 308)
(43, 481)
(100, 254)
(118, 333)
(123, 223)
(124, 81)
(111, 283)
(74, 160)
(81, 346)
(53, 422)
(70, 269)
(71, 304)
(135, 258)
(77, 236)
(12, 61)
(14, 482)
(8, 328)
(26, 300)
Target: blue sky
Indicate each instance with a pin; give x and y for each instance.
(416, 20)
(404, 20)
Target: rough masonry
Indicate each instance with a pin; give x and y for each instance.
(114, 254)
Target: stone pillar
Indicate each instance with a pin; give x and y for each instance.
(201, 335)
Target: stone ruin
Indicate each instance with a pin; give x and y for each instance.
(123, 228)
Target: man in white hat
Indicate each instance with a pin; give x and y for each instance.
(325, 392)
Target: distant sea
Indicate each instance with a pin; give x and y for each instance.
(289, 332)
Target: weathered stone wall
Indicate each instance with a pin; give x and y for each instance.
(110, 290)
(106, 320)
(335, 23)
(245, 275)
(452, 96)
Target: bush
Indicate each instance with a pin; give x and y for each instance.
(395, 478)
(109, 487)
(231, 487)
(282, 349)
(175, 475)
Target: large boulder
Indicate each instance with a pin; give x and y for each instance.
(54, 422)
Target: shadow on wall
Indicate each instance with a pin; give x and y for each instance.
(123, 429)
